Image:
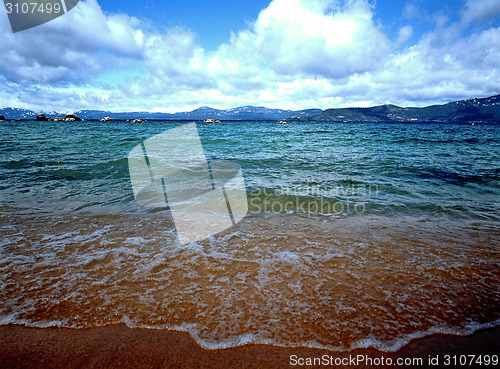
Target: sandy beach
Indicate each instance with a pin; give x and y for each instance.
(121, 347)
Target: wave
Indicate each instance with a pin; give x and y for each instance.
(252, 338)
(278, 279)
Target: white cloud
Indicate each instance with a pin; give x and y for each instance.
(296, 54)
(294, 50)
(307, 38)
(404, 34)
(433, 71)
(480, 11)
(71, 48)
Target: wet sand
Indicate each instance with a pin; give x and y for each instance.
(122, 347)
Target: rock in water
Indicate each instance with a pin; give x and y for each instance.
(2, 117)
(41, 118)
(74, 118)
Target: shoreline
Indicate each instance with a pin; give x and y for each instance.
(118, 346)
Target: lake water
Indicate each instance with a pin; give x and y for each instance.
(358, 235)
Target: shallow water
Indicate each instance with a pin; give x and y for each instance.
(358, 234)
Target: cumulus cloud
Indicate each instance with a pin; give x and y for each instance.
(298, 37)
(296, 54)
(70, 48)
(293, 50)
(436, 71)
(480, 11)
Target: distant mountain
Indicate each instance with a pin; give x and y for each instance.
(205, 112)
(470, 110)
(14, 113)
(244, 113)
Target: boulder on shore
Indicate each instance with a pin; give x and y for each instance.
(72, 118)
(41, 118)
(2, 117)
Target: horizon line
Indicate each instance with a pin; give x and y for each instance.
(249, 106)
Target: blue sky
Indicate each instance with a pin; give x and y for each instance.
(212, 21)
(178, 55)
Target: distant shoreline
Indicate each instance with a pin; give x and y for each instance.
(272, 121)
(481, 110)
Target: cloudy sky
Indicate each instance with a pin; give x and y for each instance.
(178, 55)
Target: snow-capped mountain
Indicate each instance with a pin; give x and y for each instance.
(474, 109)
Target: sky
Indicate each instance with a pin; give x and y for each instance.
(179, 55)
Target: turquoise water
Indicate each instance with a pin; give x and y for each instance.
(358, 234)
(424, 170)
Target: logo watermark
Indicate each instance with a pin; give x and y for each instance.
(170, 170)
(312, 198)
(26, 14)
